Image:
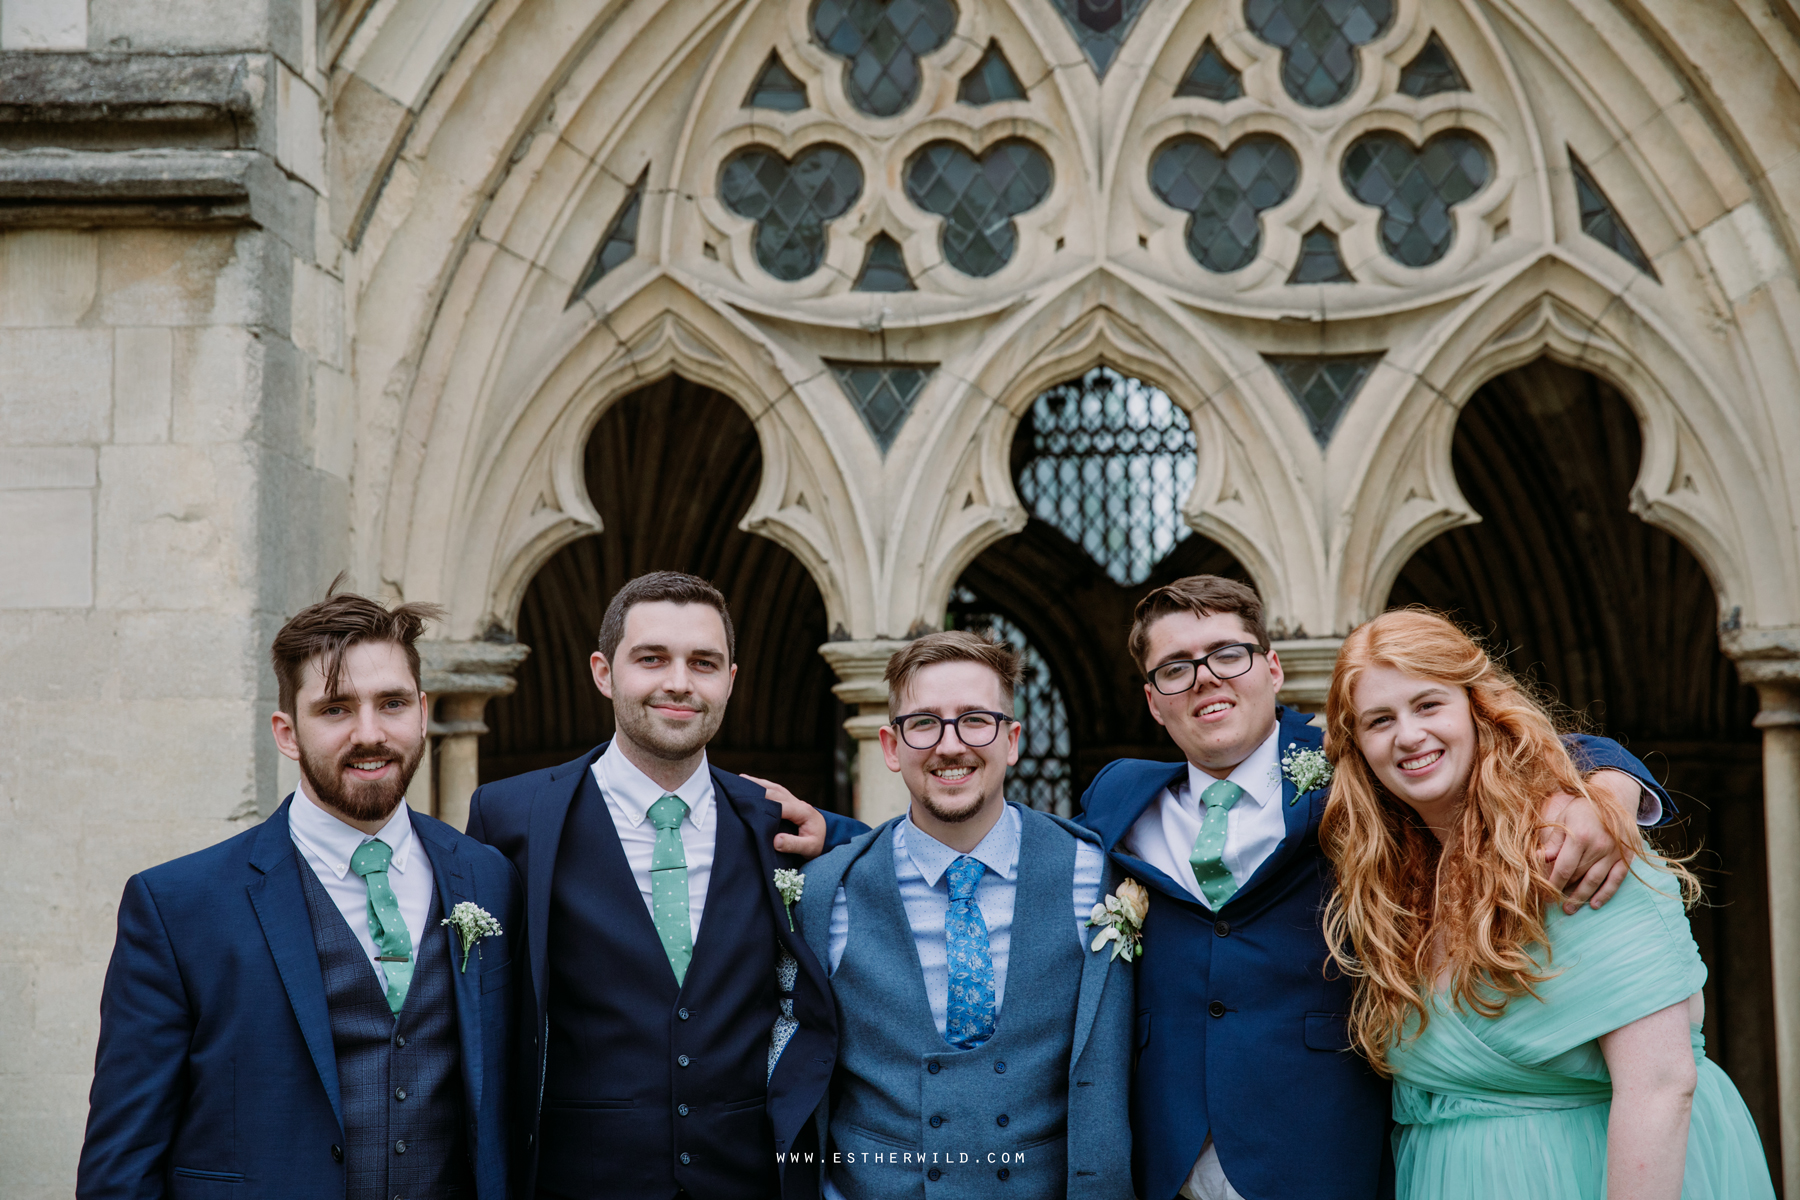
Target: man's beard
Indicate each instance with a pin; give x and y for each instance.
(359, 799)
(635, 720)
(950, 816)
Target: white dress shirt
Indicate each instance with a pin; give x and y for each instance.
(629, 793)
(327, 843)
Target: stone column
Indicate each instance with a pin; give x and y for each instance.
(1306, 665)
(880, 793)
(460, 677)
(1769, 660)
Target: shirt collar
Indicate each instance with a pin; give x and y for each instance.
(333, 842)
(635, 791)
(1259, 775)
(998, 851)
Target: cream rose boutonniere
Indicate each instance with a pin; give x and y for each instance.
(1120, 918)
(1307, 770)
(790, 884)
(472, 923)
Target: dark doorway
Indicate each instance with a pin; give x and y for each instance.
(1618, 621)
(1103, 463)
(671, 469)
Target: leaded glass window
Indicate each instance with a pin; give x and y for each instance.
(884, 268)
(1043, 778)
(619, 242)
(790, 201)
(1210, 77)
(1318, 41)
(1110, 460)
(1323, 386)
(883, 394)
(1432, 71)
(1225, 193)
(1600, 221)
(1320, 261)
(1416, 189)
(978, 197)
(881, 42)
(991, 80)
(776, 87)
(1100, 26)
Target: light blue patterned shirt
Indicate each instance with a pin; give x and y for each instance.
(920, 861)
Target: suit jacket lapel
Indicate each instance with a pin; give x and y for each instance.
(1296, 811)
(454, 887)
(281, 909)
(549, 809)
(1095, 967)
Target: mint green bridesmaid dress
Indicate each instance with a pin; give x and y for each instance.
(1517, 1106)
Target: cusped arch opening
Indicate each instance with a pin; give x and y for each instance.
(671, 469)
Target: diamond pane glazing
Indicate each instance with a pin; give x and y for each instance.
(1111, 459)
(884, 268)
(1044, 777)
(1600, 221)
(1100, 26)
(1432, 71)
(1318, 41)
(978, 198)
(1210, 77)
(1225, 193)
(619, 242)
(1323, 387)
(1415, 189)
(776, 87)
(991, 80)
(1320, 261)
(881, 42)
(790, 201)
(883, 394)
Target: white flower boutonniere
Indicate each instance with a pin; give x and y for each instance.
(472, 923)
(1307, 770)
(1121, 920)
(790, 884)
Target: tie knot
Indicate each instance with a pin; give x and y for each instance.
(1222, 794)
(963, 875)
(371, 857)
(667, 812)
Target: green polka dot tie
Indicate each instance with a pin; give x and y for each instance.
(1208, 858)
(669, 885)
(392, 940)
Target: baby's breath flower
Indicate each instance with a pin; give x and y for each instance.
(472, 923)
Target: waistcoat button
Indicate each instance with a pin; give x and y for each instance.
(932, 1067)
(1004, 1174)
(682, 1109)
(683, 1060)
(400, 1147)
(1002, 1121)
(399, 1041)
(682, 1013)
(936, 1121)
(337, 1154)
(685, 1159)
(1221, 927)
(399, 1093)
(934, 1174)
(1216, 1008)
(999, 1068)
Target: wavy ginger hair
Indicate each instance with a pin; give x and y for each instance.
(1407, 909)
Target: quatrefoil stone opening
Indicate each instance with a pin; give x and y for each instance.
(881, 42)
(791, 200)
(1415, 189)
(1224, 194)
(978, 198)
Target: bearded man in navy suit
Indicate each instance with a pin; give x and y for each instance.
(286, 1014)
(1245, 1087)
(683, 1032)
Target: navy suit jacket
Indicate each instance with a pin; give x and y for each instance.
(523, 818)
(1240, 1032)
(216, 1066)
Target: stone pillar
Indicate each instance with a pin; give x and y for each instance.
(880, 793)
(1769, 660)
(460, 677)
(1306, 664)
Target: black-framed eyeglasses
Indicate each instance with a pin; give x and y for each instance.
(1226, 662)
(975, 729)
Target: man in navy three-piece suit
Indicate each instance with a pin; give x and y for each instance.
(286, 1013)
(1245, 1087)
(683, 1034)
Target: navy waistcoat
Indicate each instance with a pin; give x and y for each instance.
(399, 1077)
(650, 1088)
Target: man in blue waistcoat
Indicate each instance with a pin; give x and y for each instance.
(983, 1046)
(667, 979)
(321, 1006)
(1245, 1087)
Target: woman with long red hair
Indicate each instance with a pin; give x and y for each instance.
(1533, 1053)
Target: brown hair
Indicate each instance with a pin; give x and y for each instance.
(673, 586)
(952, 645)
(1204, 596)
(342, 620)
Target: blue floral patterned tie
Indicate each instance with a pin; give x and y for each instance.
(969, 1013)
(1208, 858)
